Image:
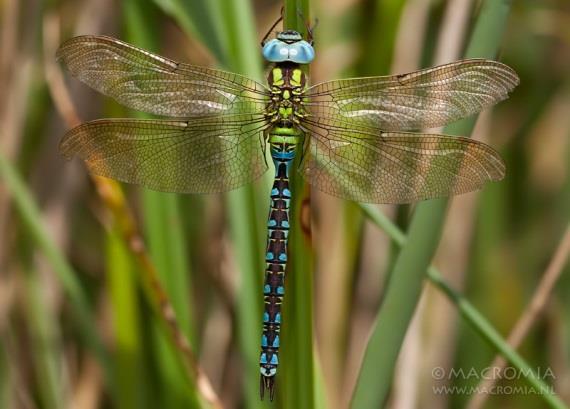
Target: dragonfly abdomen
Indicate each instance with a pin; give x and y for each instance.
(283, 143)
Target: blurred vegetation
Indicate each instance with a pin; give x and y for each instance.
(85, 312)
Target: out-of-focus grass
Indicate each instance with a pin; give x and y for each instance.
(46, 340)
(471, 315)
(44, 355)
(32, 220)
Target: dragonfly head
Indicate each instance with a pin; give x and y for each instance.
(289, 46)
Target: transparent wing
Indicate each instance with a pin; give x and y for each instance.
(366, 165)
(147, 82)
(205, 155)
(423, 99)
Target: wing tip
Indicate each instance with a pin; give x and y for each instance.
(510, 78)
(500, 169)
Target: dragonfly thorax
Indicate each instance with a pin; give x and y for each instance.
(287, 83)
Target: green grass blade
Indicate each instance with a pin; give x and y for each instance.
(398, 305)
(379, 37)
(474, 318)
(47, 348)
(404, 287)
(241, 38)
(167, 243)
(248, 244)
(129, 351)
(163, 226)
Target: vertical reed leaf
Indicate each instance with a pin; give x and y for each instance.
(129, 353)
(167, 244)
(379, 36)
(404, 288)
(46, 341)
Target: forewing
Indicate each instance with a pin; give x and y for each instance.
(423, 99)
(395, 167)
(147, 82)
(206, 155)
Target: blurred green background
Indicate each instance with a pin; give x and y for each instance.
(83, 324)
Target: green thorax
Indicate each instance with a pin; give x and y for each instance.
(287, 83)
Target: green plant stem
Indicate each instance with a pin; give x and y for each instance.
(297, 374)
(404, 287)
(468, 311)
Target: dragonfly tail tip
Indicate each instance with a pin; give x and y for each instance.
(267, 382)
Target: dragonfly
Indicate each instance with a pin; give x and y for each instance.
(352, 137)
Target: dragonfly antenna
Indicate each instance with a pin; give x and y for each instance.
(272, 27)
(310, 29)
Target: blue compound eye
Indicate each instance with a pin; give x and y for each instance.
(275, 51)
(300, 52)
